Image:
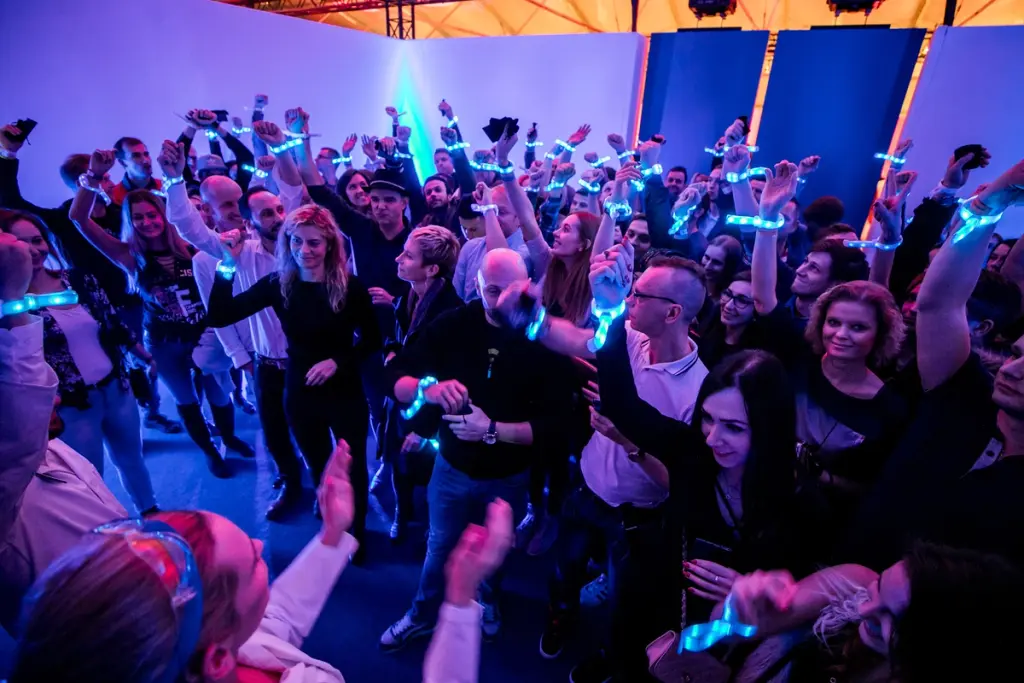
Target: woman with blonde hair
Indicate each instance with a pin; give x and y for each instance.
(158, 263)
(427, 263)
(328, 320)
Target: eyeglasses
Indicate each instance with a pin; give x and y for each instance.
(637, 294)
(170, 557)
(738, 299)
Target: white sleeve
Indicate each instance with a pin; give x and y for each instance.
(454, 652)
(539, 255)
(290, 195)
(236, 339)
(299, 594)
(189, 223)
(27, 389)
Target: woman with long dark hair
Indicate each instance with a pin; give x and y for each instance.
(353, 188)
(427, 263)
(328, 320)
(159, 267)
(84, 343)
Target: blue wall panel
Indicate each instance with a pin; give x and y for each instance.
(698, 82)
(837, 93)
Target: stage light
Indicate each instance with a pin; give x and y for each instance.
(865, 6)
(712, 8)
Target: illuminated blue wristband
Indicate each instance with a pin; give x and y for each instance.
(600, 162)
(891, 158)
(258, 172)
(241, 131)
(700, 637)
(617, 210)
(532, 190)
(551, 155)
(565, 145)
(555, 185)
(715, 152)
(456, 146)
(347, 160)
(478, 166)
(286, 145)
(971, 220)
(211, 134)
(590, 187)
(169, 182)
(680, 221)
(506, 172)
(435, 444)
(535, 144)
(227, 269)
(874, 244)
(756, 222)
(33, 302)
(420, 400)
(402, 155)
(750, 173)
(484, 208)
(627, 154)
(605, 317)
(533, 329)
(453, 121)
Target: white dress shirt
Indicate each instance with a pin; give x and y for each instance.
(671, 388)
(253, 264)
(236, 339)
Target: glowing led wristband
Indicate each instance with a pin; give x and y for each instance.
(680, 221)
(721, 152)
(628, 153)
(287, 145)
(551, 155)
(211, 134)
(971, 220)
(535, 144)
(647, 173)
(605, 318)
(484, 166)
(700, 637)
(227, 269)
(417, 403)
(402, 155)
(600, 162)
(555, 185)
(756, 222)
(456, 146)
(33, 302)
(435, 444)
(874, 244)
(484, 208)
(617, 210)
(733, 177)
(171, 182)
(590, 187)
(453, 121)
(565, 145)
(506, 171)
(891, 158)
(241, 131)
(532, 190)
(258, 172)
(83, 181)
(533, 329)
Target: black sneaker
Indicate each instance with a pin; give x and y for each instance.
(595, 669)
(401, 632)
(163, 423)
(555, 634)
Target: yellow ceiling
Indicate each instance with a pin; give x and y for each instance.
(531, 17)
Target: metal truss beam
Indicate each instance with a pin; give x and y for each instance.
(305, 8)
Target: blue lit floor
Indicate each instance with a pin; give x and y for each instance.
(366, 599)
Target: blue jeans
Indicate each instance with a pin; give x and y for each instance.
(456, 501)
(174, 367)
(111, 420)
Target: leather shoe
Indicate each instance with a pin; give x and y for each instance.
(286, 500)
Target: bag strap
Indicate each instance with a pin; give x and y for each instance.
(682, 610)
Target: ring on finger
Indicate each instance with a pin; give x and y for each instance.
(716, 578)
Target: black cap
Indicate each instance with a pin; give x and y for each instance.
(388, 179)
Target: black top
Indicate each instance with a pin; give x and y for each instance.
(509, 378)
(314, 331)
(172, 307)
(950, 430)
(407, 329)
(792, 538)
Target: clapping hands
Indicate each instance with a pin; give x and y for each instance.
(478, 554)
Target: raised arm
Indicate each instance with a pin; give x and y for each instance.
(617, 205)
(943, 334)
(226, 308)
(494, 237)
(521, 204)
(779, 188)
(456, 150)
(81, 213)
(561, 336)
(888, 211)
(180, 211)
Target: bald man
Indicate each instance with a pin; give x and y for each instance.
(472, 255)
(499, 402)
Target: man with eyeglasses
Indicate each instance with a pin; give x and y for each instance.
(621, 497)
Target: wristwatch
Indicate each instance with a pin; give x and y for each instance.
(491, 437)
(636, 455)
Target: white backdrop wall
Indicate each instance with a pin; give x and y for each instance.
(969, 92)
(532, 78)
(90, 72)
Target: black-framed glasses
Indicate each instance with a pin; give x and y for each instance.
(740, 300)
(637, 294)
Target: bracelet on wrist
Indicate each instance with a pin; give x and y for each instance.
(241, 131)
(600, 162)
(83, 181)
(971, 220)
(721, 152)
(733, 177)
(453, 121)
(627, 154)
(456, 146)
(227, 269)
(286, 145)
(484, 208)
(33, 302)
(647, 173)
(756, 222)
(534, 328)
(590, 187)
(617, 210)
(555, 185)
(681, 219)
(258, 172)
(891, 158)
(605, 318)
(210, 134)
(874, 244)
(170, 182)
(420, 400)
(565, 145)
(7, 154)
(535, 144)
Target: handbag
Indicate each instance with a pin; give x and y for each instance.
(669, 665)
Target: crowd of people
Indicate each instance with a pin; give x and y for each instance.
(707, 397)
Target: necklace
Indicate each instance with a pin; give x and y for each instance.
(729, 492)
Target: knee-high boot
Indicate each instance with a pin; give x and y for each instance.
(195, 424)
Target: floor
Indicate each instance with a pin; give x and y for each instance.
(366, 599)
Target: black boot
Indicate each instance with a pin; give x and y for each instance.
(224, 418)
(286, 500)
(195, 425)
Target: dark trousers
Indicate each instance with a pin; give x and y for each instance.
(552, 471)
(270, 405)
(633, 539)
(315, 413)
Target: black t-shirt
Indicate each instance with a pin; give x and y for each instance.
(509, 378)
(172, 307)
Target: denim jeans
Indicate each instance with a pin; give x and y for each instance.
(111, 420)
(174, 366)
(455, 501)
